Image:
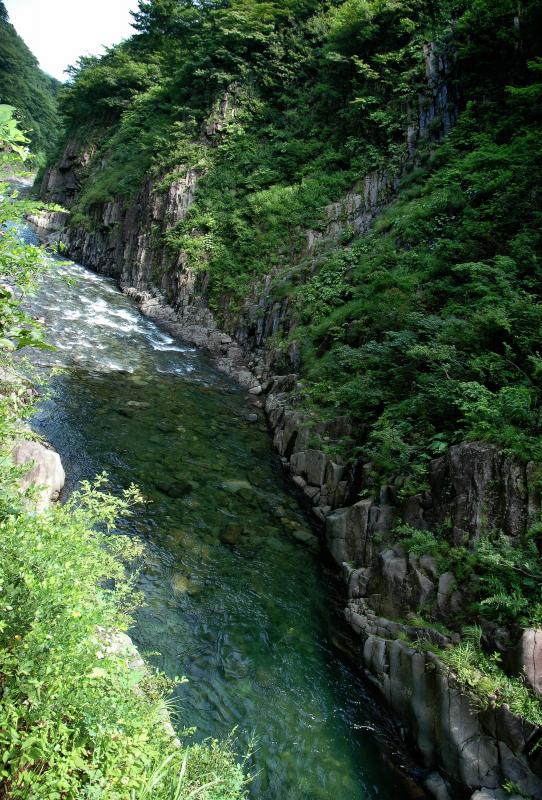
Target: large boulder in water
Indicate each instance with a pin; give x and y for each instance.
(46, 471)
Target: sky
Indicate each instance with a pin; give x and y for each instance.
(59, 31)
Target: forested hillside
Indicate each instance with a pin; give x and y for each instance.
(25, 87)
(425, 331)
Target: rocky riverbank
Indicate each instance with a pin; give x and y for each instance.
(394, 600)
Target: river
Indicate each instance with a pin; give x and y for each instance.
(233, 600)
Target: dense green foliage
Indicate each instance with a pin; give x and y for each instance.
(76, 719)
(24, 86)
(501, 578)
(435, 330)
(426, 331)
(275, 60)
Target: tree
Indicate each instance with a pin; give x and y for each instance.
(25, 87)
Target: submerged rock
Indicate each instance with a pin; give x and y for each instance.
(307, 538)
(241, 489)
(129, 413)
(183, 585)
(175, 490)
(167, 427)
(232, 533)
(235, 486)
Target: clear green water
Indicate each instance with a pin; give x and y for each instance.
(247, 622)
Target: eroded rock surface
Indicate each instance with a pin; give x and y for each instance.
(528, 658)
(45, 472)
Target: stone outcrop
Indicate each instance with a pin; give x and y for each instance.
(49, 225)
(478, 488)
(528, 658)
(44, 472)
(62, 180)
(435, 112)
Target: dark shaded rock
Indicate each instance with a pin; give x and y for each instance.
(437, 786)
(166, 427)
(176, 490)
(231, 534)
(478, 487)
(307, 538)
(129, 413)
(350, 531)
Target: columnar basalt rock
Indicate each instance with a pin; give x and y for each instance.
(470, 748)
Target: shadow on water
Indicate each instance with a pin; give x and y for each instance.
(233, 600)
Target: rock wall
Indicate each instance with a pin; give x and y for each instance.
(473, 487)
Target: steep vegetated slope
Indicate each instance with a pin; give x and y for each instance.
(425, 331)
(353, 189)
(25, 87)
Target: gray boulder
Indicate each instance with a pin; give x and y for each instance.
(46, 472)
(528, 658)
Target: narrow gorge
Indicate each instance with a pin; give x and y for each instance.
(234, 595)
(302, 314)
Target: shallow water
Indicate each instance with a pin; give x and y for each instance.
(233, 600)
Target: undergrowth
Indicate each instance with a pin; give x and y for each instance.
(482, 677)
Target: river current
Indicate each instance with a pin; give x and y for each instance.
(233, 600)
